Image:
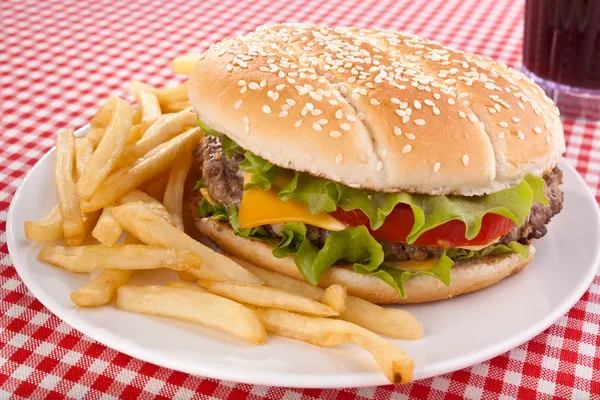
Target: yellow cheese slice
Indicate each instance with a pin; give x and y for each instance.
(263, 207)
(413, 265)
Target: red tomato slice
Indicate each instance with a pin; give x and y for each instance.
(398, 224)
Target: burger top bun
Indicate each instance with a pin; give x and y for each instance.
(377, 110)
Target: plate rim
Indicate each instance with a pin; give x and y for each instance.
(359, 379)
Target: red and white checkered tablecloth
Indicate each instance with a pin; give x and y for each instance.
(60, 59)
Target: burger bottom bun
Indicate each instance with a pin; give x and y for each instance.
(467, 275)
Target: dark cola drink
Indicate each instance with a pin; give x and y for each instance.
(561, 52)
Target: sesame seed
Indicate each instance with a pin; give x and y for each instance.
(451, 101)
(435, 110)
(492, 110)
(241, 82)
(379, 165)
(548, 139)
(420, 122)
(397, 131)
(243, 89)
(537, 111)
(335, 134)
(395, 100)
(436, 167)
(351, 118)
(410, 136)
(462, 114)
(322, 121)
(520, 135)
(489, 86)
(401, 113)
(429, 103)
(374, 102)
(281, 86)
(339, 114)
(436, 96)
(298, 124)
(291, 102)
(316, 112)
(310, 106)
(501, 135)
(237, 104)
(465, 160)
(521, 105)
(317, 127)
(345, 126)
(472, 118)
(253, 86)
(417, 104)
(406, 149)
(537, 130)
(229, 67)
(266, 109)
(516, 119)
(503, 124)
(339, 158)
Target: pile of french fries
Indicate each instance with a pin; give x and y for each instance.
(126, 179)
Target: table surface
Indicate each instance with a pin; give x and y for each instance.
(60, 59)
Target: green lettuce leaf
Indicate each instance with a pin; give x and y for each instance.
(491, 250)
(199, 185)
(393, 274)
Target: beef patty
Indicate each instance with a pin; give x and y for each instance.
(225, 182)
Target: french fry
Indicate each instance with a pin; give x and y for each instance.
(107, 230)
(148, 105)
(123, 256)
(108, 151)
(396, 365)
(167, 95)
(83, 153)
(72, 217)
(195, 306)
(157, 188)
(175, 107)
(139, 220)
(389, 322)
(265, 296)
(47, 229)
(173, 198)
(134, 134)
(335, 298)
(104, 114)
(136, 115)
(186, 276)
(155, 205)
(187, 285)
(102, 289)
(152, 164)
(89, 221)
(164, 129)
(94, 136)
(185, 64)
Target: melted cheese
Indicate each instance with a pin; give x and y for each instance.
(413, 265)
(263, 207)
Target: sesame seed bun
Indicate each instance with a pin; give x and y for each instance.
(466, 276)
(377, 109)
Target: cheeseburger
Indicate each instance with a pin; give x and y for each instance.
(402, 169)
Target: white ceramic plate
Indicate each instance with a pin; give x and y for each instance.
(459, 332)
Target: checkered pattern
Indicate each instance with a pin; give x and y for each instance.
(60, 59)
